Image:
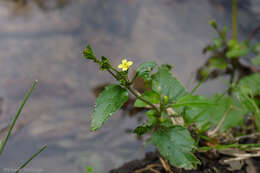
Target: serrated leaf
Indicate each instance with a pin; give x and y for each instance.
(176, 145)
(144, 70)
(166, 85)
(142, 129)
(108, 102)
(150, 96)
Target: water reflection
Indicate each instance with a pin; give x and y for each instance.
(46, 45)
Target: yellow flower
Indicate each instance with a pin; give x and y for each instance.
(125, 65)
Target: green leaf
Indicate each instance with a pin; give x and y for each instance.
(209, 48)
(89, 54)
(104, 64)
(218, 42)
(89, 169)
(256, 60)
(245, 96)
(256, 48)
(214, 113)
(167, 66)
(246, 90)
(152, 117)
(232, 43)
(166, 85)
(213, 23)
(251, 82)
(144, 70)
(193, 101)
(218, 63)
(150, 96)
(176, 145)
(142, 129)
(238, 50)
(108, 102)
(166, 122)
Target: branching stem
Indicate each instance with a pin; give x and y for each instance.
(144, 100)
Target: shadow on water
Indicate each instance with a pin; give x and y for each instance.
(43, 39)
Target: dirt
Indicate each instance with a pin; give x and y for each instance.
(208, 165)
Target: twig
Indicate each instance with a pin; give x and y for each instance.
(253, 135)
(149, 167)
(166, 166)
(242, 157)
(253, 33)
(213, 132)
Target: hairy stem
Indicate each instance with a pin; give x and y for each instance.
(112, 73)
(146, 101)
(134, 92)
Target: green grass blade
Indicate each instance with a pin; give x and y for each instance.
(31, 158)
(16, 116)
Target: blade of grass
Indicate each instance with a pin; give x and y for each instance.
(16, 116)
(31, 158)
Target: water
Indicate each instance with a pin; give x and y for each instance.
(43, 39)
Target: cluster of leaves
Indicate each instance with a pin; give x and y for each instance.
(226, 54)
(177, 119)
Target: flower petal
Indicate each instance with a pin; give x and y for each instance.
(129, 63)
(124, 61)
(120, 66)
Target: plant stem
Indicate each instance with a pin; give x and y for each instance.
(140, 98)
(16, 116)
(234, 19)
(235, 145)
(198, 85)
(134, 92)
(112, 73)
(213, 133)
(31, 158)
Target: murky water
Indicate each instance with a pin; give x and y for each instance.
(43, 39)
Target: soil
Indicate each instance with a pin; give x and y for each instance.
(208, 165)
